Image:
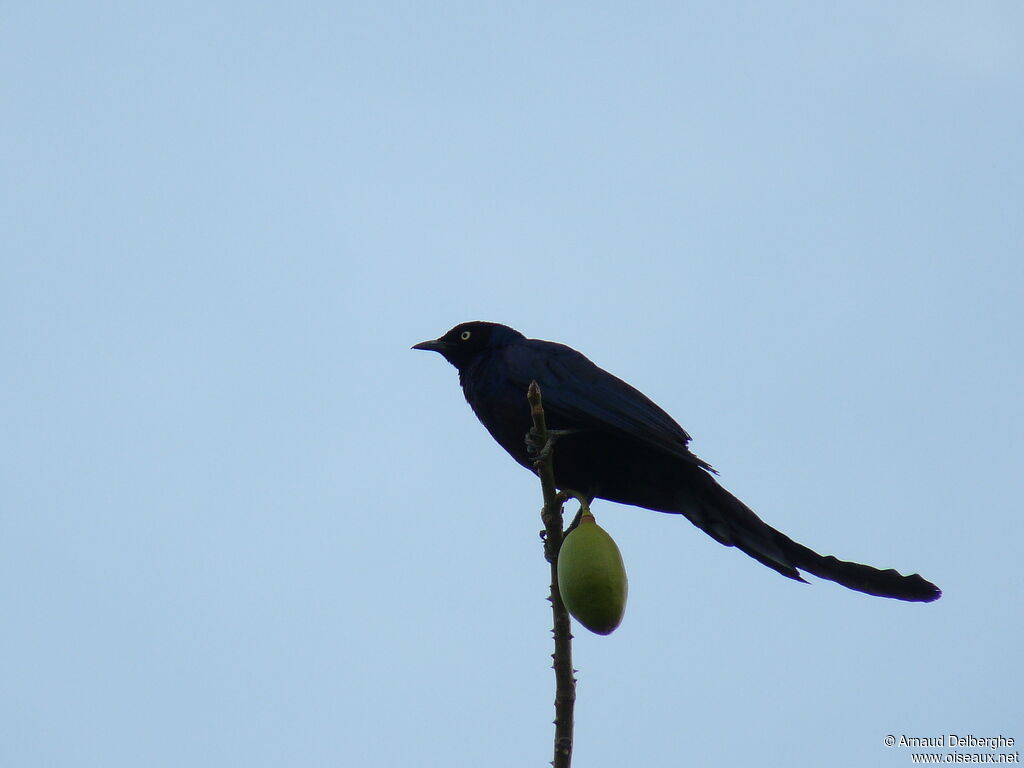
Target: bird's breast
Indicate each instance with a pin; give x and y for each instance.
(504, 411)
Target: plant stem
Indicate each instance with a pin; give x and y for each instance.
(551, 514)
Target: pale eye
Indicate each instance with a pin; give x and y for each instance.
(465, 335)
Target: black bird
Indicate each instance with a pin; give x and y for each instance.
(614, 443)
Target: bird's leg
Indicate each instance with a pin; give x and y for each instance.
(561, 498)
(585, 502)
(540, 451)
(575, 522)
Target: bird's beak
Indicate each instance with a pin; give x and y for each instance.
(434, 345)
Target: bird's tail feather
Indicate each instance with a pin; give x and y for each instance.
(731, 522)
(863, 578)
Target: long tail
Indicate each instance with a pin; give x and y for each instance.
(731, 522)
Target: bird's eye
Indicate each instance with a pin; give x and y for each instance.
(465, 335)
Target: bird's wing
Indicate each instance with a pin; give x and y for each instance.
(579, 395)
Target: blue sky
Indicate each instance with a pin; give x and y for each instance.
(242, 523)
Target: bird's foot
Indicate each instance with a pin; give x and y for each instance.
(538, 449)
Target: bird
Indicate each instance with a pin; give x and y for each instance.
(613, 442)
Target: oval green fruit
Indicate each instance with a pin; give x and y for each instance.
(592, 577)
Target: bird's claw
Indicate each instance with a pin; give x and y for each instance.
(539, 450)
(533, 443)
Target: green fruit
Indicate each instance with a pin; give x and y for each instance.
(592, 577)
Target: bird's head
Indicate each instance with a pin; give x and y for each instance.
(467, 340)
